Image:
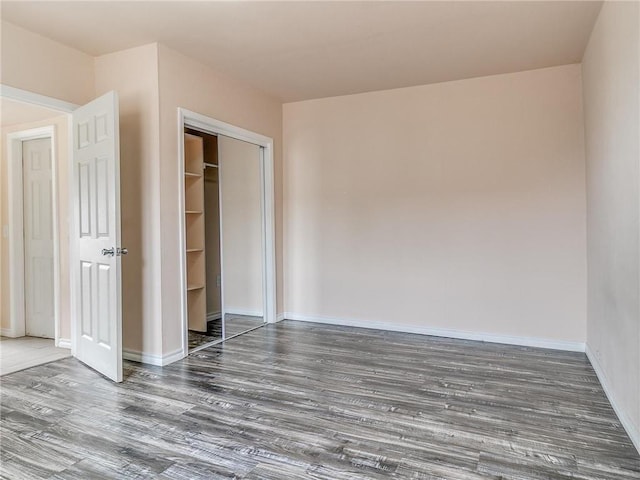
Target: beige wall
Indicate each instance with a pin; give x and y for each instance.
(37, 64)
(189, 84)
(458, 206)
(241, 227)
(612, 128)
(134, 75)
(455, 205)
(60, 124)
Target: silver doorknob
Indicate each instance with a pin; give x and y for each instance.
(108, 252)
(122, 251)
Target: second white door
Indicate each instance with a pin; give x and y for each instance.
(38, 238)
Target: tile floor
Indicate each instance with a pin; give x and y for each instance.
(24, 352)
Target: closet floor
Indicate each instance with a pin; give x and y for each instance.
(213, 333)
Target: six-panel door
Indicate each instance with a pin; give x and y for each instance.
(97, 277)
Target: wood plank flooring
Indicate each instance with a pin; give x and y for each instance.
(296, 400)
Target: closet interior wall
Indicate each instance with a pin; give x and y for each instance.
(212, 228)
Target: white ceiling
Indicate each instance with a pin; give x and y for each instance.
(303, 50)
(16, 113)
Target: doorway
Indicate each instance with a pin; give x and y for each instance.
(202, 224)
(227, 230)
(85, 199)
(34, 277)
(33, 231)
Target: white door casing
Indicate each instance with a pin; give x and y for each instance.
(38, 238)
(16, 238)
(96, 261)
(216, 127)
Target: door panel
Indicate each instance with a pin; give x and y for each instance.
(97, 275)
(38, 238)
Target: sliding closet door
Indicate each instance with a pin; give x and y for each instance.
(242, 230)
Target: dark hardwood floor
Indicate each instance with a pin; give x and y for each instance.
(297, 400)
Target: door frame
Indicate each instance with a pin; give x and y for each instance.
(187, 118)
(17, 257)
(17, 325)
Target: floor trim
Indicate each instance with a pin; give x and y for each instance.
(150, 359)
(280, 317)
(8, 332)
(63, 343)
(626, 422)
(442, 332)
(240, 311)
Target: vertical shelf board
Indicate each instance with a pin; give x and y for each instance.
(196, 269)
(193, 153)
(194, 193)
(195, 231)
(194, 226)
(197, 310)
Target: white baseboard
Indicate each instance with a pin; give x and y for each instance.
(631, 429)
(240, 311)
(8, 332)
(60, 343)
(151, 359)
(442, 332)
(279, 317)
(214, 316)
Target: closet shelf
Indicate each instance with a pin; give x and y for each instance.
(192, 250)
(194, 287)
(193, 212)
(192, 175)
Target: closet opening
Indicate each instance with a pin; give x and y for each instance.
(224, 236)
(202, 218)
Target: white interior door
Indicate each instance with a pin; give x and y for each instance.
(38, 238)
(96, 270)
